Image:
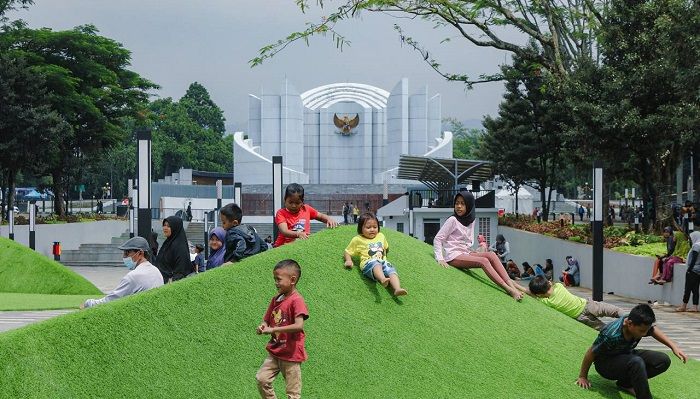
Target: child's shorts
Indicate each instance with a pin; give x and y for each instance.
(387, 268)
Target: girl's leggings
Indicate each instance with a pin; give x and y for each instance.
(488, 261)
(692, 285)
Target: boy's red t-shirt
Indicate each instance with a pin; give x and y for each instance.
(286, 346)
(300, 221)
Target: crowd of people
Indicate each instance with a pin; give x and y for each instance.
(613, 353)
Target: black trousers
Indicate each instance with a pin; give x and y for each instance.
(692, 285)
(634, 370)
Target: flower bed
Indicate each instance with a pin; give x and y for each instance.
(613, 236)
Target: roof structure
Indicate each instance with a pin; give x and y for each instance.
(443, 173)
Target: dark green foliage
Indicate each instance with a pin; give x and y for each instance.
(639, 110)
(454, 335)
(524, 141)
(25, 271)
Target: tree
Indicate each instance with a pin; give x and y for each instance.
(639, 111)
(28, 125)
(524, 142)
(202, 109)
(9, 5)
(465, 141)
(88, 85)
(565, 29)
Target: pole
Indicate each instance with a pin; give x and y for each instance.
(206, 235)
(597, 229)
(12, 224)
(143, 160)
(219, 193)
(385, 197)
(32, 225)
(277, 182)
(238, 194)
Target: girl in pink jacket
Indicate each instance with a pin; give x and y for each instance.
(453, 244)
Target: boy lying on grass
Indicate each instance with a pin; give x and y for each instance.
(586, 311)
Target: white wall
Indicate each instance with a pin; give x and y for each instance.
(71, 235)
(623, 274)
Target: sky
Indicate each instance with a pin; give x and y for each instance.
(177, 42)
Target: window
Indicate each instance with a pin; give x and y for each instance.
(485, 228)
(399, 227)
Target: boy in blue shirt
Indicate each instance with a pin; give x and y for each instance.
(615, 358)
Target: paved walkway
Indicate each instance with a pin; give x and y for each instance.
(684, 328)
(104, 278)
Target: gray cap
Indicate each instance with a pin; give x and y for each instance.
(136, 243)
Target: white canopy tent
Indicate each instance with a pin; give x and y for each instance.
(505, 199)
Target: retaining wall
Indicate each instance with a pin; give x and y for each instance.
(624, 274)
(71, 235)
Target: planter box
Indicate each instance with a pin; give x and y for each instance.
(624, 274)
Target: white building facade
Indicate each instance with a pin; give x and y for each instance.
(344, 133)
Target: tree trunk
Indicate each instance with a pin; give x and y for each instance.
(544, 203)
(58, 207)
(11, 176)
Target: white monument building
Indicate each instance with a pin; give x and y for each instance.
(343, 133)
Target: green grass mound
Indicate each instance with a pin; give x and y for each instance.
(454, 336)
(25, 271)
(14, 301)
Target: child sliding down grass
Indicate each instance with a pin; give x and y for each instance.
(453, 244)
(371, 246)
(557, 297)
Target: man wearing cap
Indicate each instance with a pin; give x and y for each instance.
(143, 275)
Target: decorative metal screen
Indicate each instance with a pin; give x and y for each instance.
(485, 228)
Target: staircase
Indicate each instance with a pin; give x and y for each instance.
(195, 233)
(96, 254)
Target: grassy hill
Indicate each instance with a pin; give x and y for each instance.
(454, 336)
(25, 271)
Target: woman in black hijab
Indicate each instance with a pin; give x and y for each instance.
(453, 246)
(173, 259)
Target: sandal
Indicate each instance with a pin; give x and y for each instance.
(681, 309)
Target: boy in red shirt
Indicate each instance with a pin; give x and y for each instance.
(284, 321)
(294, 220)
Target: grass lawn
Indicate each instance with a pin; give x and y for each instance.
(658, 248)
(14, 301)
(454, 336)
(25, 271)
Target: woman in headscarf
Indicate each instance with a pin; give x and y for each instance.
(692, 275)
(662, 273)
(217, 239)
(501, 248)
(173, 259)
(571, 276)
(453, 246)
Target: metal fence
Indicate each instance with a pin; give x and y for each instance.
(445, 198)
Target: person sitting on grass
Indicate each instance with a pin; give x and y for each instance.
(371, 246)
(241, 240)
(615, 358)
(453, 245)
(294, 220)
(142, 277)
(284, 322)
(557, 297)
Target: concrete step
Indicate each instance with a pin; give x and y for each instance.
(91, 263)
(92, 256)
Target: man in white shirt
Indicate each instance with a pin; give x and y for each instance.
(143, 275)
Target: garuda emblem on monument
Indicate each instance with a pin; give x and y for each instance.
(345, 124)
